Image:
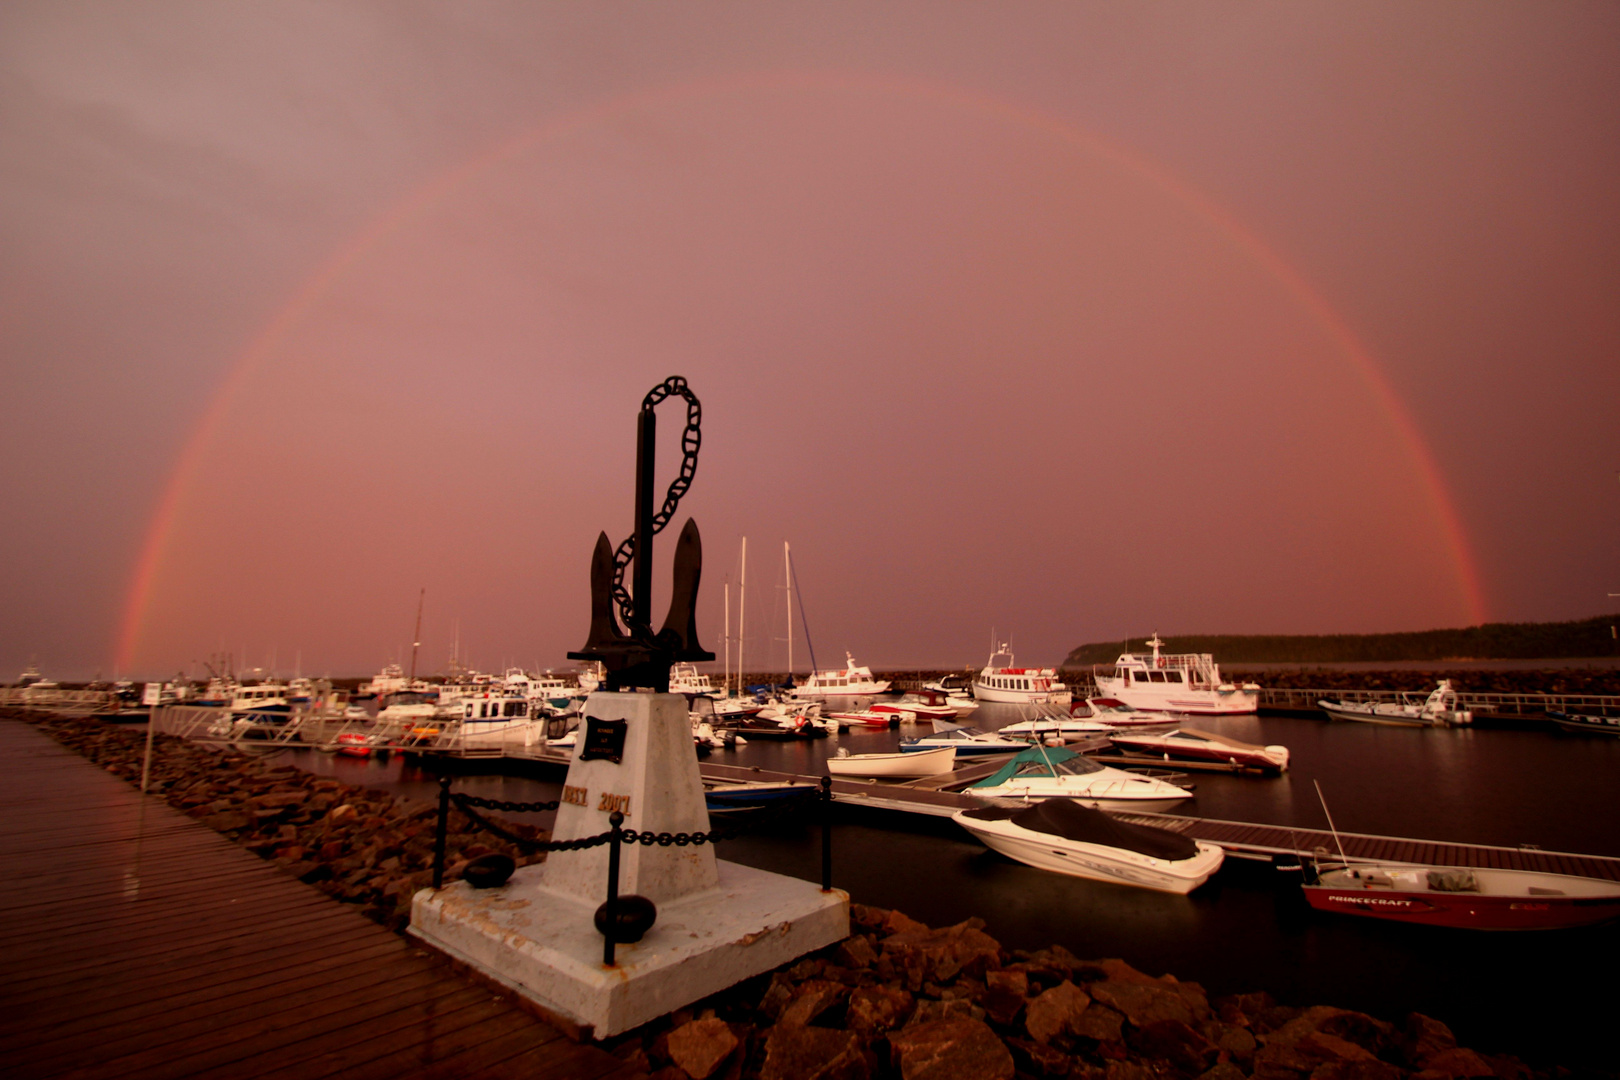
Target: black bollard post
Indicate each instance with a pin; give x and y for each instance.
(441, 833)
(826, 834)
(616, 822)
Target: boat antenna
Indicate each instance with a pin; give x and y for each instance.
(1331, 827)
(416, 641)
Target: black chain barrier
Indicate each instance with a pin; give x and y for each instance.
(790, 807)
(691, 441)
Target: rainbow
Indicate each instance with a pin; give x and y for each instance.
(411, 206)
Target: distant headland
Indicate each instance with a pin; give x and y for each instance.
(1594, 637)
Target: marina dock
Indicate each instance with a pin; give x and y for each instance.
(138, 943)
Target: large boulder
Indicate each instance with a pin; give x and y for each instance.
(700, 1046)
(1055, 1012)
(812, 1053)
(875, 1009)
(1143, 1003)
(940, 955)
(958, 1048)
(810, 999)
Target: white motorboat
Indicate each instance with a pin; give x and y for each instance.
(1193, 744)
(923, 705)
(968, 741)
(935, 762)
(1439, 709)
(1116, 714)
(873, 718)
(1056, 726)
(1174, 682)
(1019, 686)
(1053, 772)
(1067, 838)
(852, 680)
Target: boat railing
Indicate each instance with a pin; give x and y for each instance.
(53, 697)
(1500, 704)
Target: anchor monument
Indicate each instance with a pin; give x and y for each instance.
(704, 924)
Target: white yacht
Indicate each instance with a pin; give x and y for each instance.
(1174, 682)
(852, 680)
(687, 679)
(1019, 686)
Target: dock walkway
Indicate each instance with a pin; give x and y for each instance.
(137, 943)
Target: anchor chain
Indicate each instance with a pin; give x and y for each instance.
(691, 440)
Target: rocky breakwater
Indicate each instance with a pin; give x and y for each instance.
(361, 846)
(901, 999)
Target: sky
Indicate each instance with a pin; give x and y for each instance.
(1035, 323)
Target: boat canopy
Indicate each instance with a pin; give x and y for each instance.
(1041, 761)
(1082, 824)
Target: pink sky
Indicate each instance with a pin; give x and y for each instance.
(1062, 324)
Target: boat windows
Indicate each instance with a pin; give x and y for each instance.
(1172, 676)
(1139, 676)
(1156, 676)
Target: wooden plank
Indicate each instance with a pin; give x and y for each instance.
(223, 965)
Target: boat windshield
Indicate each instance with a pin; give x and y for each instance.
(1075, 766)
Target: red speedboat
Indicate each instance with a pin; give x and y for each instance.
(1468, 897)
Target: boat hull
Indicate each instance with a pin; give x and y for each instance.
(1093, 861)
(934, 762)
(1337, 711)
(1465, 910)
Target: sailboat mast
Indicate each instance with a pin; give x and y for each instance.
(742, 615)
(416, 639)
(787, 570)
(727, 683)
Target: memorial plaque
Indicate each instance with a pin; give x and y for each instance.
(604, 740)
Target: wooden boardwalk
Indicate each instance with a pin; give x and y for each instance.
(137, 943)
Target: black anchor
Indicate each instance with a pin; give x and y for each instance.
(641, 658)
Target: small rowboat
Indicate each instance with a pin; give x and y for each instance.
(353, 744)
(1466, 897)
(894, 766)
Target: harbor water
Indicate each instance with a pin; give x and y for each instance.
(1545, 996)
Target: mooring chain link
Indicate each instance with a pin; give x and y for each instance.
(691, 440)
(505, 807)
(786, 809)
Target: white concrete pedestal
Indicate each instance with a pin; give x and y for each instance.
(718, 922)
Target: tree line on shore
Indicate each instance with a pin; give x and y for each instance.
(1594, 637)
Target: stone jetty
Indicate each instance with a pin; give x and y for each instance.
(897, 999)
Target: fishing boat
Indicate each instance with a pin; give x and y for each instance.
(687, 679)
(1439, 709)
(1007, 684)
(1054, 772)
(1597, 725)
(1470, 898)
(1067, 838)
(1193, 744)
(935, 762)
(852, 680)
(968, 741)
(1174, 682)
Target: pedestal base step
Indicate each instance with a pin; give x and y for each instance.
(544, 945)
